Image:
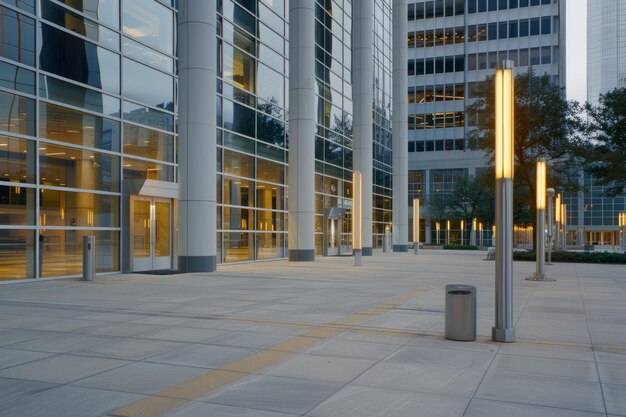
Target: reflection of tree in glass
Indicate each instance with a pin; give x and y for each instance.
(269, 128)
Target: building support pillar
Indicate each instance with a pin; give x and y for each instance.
(400, 193)
(363, 99)
(302, 111)
(197, 48)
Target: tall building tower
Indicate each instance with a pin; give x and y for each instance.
(453, 46)
(606, 47)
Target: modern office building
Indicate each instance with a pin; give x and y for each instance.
(606, 47)
(173, 132)
(592, 216)
(453, 45)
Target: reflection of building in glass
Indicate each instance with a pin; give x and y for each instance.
(88, 132)
(453, 46)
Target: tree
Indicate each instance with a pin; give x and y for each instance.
(437, 206)
(470, 198)
(604, 156)
(546, 125)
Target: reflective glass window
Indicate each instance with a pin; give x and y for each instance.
(271, 85)
(76, 168)
(238, 37)
(150, 117)
(545, 25)
(76, 95)
(238, 118)
(18, 36)
(17, 114)
(534, 27)
(68, 208)
(238, 68)
(74, 58)
(147, 143)
(147, 85)
(62, 251)
(270, 171)
(137, 169)
(150, 23)
(17, 78)
(148, 56)
(17, 253)
(270, 130)
(17, 160)
(237, 192)
(78, 24)
(17, 205)
(72, 126)
(238, 164)
(105, 11)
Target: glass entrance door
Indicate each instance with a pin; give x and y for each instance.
(151, 232)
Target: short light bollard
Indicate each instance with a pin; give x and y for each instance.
(89, 258)
(460, 312)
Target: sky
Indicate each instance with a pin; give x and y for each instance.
(576, 49)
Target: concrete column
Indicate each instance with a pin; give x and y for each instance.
(363, 98)
(302, 111)
(400, 193)
(197, 48)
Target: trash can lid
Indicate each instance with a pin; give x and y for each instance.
(453, 287)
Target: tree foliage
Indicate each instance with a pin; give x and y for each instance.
(604, 156)
(546, 126)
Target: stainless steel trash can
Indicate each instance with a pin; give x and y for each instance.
(460, 312)
(89, 258)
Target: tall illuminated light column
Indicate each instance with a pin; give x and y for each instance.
(416, 224)
(564, 226)
(550, 195)
(503, 331)
(557, 222)
(540, 240)
(622, 228)
(357, 217)
(473, 232)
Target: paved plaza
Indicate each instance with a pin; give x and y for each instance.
(322, 339)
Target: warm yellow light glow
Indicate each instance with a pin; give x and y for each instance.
(474, 224)
(448, 225)
(416, 220)
(357, 210)
(504, 123)
(480, 226)
(541, 185)
(557, 208)
(564, 214)
(438, 226)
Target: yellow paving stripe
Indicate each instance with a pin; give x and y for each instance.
(168, 399)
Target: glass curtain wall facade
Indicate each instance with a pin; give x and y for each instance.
(453, 45)
(87, 102)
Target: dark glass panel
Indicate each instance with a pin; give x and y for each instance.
(18, 36)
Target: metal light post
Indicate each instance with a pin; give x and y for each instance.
(540, 241)
(462, 231)
(473, 232)
(564, 225)
(480, 234)
(550, 193)
(503, 331)
(416, 224)
(438, 229)
(448, 232)
(622, 230)
(357, 217)
(557, 220)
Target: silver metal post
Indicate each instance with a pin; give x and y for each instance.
(357, 257)
(503, 331)
(550, 193)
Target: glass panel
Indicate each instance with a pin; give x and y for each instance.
(17, 254)
(162, 229)
(17, 78)
(139, 114)
(67, 167)
(62, 251)
(147, 85)
(135, 169)
(17, 160)
(106, 11)
(17, 205)
(238, 68)
(147, 143)
(71, 57)
(146, 55)
(66, 208)
(141, 229)
(270, 171)
(238, 164)
(17, 41)
(72, 126)
(238, 247)
(238, 118)
(17, 114)
(150, 23)
(78, 24)
(75, 95)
